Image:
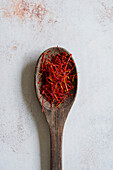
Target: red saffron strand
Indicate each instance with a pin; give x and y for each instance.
(56, 78)
(58, 49)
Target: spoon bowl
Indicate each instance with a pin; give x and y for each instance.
(55, 117)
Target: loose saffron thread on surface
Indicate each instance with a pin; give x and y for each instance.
(56, 78)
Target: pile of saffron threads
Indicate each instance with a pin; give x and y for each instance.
(56, 78)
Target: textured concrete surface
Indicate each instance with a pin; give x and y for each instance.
(85, 28)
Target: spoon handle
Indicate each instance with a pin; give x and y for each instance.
(56, 148)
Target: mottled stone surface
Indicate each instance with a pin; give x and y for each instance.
(85, 28)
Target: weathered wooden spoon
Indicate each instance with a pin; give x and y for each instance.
(56, 118)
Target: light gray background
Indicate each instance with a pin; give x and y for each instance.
(85, 28)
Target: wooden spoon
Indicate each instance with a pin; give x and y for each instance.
(56, 118)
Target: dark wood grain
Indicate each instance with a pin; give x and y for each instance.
(56, 122)
(55, 118)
